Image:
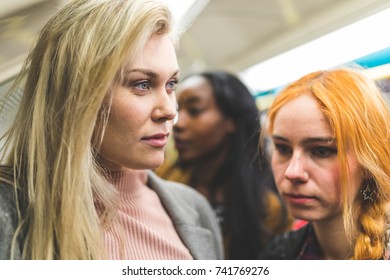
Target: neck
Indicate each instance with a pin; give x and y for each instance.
(332, 239)
(128, 180)
(206, 168)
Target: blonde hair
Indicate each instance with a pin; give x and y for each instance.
(52, 144)
(360, 120)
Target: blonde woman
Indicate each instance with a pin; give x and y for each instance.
(97, 108)
(331, 161)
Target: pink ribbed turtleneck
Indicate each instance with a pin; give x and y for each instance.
(145, 225)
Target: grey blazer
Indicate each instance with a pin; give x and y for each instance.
(193, 217)
(8, 222)
(191, 214)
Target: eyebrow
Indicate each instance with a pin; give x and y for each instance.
(150, 73)
(191, 100)
(307, 140)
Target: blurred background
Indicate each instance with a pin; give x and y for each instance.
(268, 43)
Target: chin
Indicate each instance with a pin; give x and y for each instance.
(154, 166)
(185, 158)
(301, 214)
(154, 163)
(144, 163)
(305, 216)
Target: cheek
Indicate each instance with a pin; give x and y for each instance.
(356, 177)
(209, 129)
(121, 121)
(331, 183)
(353, 182)
(124, 125)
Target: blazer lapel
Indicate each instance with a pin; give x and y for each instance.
(186, 221)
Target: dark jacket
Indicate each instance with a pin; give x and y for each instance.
(286, 246)
(8, 222)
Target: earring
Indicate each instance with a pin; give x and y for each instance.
(368, 193)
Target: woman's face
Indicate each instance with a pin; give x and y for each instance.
(143, 109)
(201, 127)
(305, 164)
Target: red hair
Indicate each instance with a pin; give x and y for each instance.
(360, 120)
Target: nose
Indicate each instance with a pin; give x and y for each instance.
(296, 170)
(165, 109)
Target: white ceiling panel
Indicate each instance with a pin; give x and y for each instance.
(227, 34)
(233, 35)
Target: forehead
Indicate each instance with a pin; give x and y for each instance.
(195, 89)
(157, 54)
(301, 117)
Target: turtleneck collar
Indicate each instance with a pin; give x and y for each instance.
(129, 182)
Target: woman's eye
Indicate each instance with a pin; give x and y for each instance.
(142, 85)
(171, 85)
(323, 152)
(283, 149)
(194, 111)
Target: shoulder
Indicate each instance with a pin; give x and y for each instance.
(171, 171)
(277, 220)
(192, 215)
(285, 246)
(8, 219)
(7, 202)
(178, 191)
(273, 204)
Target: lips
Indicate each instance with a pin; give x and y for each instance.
(157, 140)
(181, 144)
(299, 199)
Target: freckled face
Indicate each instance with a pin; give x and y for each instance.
(305, 163)
(143, 109)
